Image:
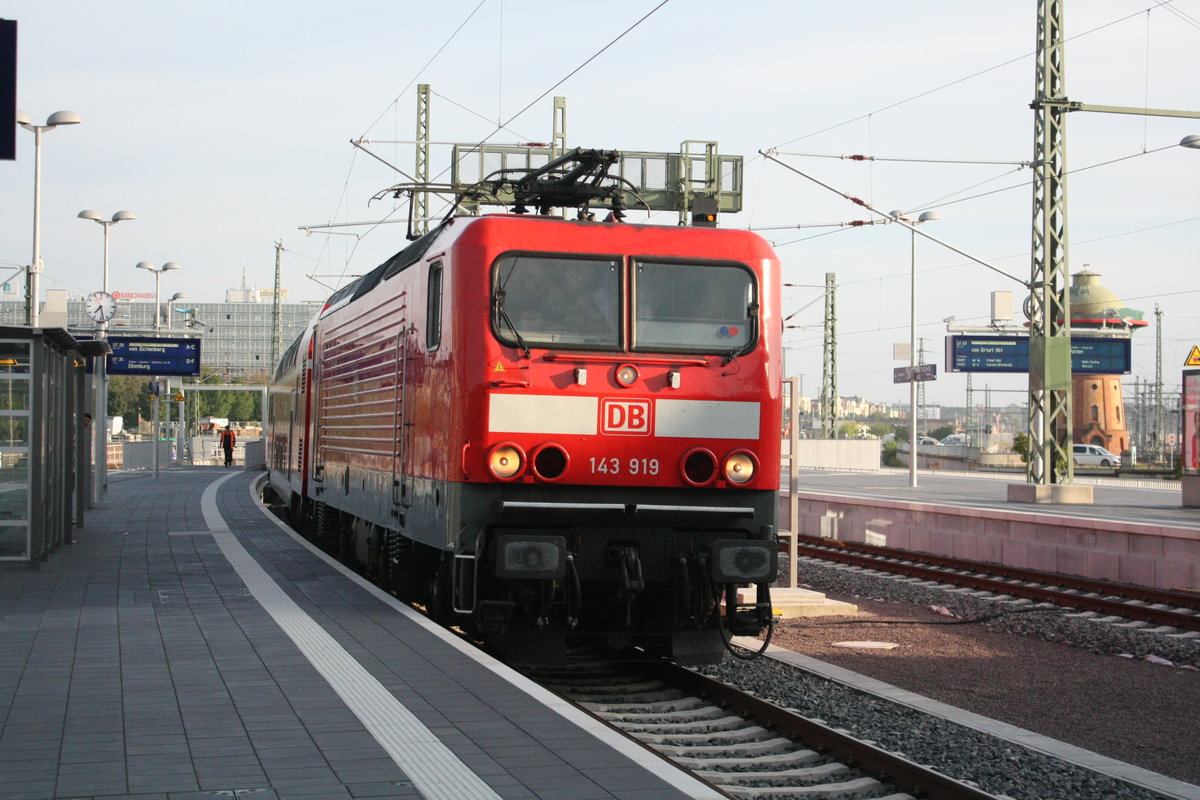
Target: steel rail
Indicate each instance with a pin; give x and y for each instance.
(1016, 582)
(909, 775)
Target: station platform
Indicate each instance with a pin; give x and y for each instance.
(187, 646)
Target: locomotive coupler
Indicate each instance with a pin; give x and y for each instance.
(632, 581)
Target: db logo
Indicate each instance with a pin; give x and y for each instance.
(625, 417)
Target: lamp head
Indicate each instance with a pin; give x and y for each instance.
(121, 216)
(899, 215)
(145, 265)
(1192, 141)
(88, 213)
(170, 265)
(929, 216)
(63, 118)
(23, 118)
(177, 296)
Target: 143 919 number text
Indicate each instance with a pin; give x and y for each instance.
(614, 466)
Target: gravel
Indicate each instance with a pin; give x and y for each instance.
(1057, 675)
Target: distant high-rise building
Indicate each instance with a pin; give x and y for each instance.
(235, 335)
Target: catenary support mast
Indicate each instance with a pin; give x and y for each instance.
(829, 372)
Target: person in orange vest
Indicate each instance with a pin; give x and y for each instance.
(228, 440)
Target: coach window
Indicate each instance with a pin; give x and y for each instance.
(433, 311)
(557, 301)
(693, 307)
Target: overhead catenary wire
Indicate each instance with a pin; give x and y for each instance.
(895, 219)
(950, 84)
(425, 66)
(504, 124)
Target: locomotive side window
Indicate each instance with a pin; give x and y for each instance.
(557, 301)
(700, 307)
(433, 309)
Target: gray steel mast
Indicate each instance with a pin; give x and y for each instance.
(829, 370)
(420, 197)
(276, 315)
(1049, 283)
(1050, 432)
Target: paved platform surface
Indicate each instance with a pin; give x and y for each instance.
(186, 647)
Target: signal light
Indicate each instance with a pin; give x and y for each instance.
(626, 375)
(698, 466)
(506, 461)
(740, 467)
(704, 212)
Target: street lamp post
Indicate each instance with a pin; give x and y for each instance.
(33, 284)
(928, 216)
(100, 412)
(158, 271)
(178, 427)
(170, 301)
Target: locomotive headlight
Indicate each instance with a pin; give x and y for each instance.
(627, 375)
(741, 561)
(506, 461)
(531, 557)
(740, 467)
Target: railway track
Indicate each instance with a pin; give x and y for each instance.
(743, 746)
(1175, 609)
(747, 747)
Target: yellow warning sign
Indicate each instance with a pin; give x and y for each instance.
(1193, 359)
(179, 397)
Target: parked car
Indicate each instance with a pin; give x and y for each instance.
(1093, 455)
(927, 440)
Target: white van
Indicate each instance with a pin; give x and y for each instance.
(956, 440)
(1093, 455)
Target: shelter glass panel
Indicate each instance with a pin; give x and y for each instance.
(14, 357)
(14, 392)
(14, 541)
(14, 486)
(14, 431)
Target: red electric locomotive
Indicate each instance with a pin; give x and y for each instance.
(549, 431)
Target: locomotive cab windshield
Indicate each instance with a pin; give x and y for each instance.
(560, 301)
(570, 301)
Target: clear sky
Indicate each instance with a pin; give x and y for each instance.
(226, 127)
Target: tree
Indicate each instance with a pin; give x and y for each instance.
(880, 429)
(942, 432)
(1020, 446)
(889, 454)
(129, 397)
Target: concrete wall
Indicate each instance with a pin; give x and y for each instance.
(255, 454)
(953, 458)
(205, 451)
(1140, 554)
(140, 455)
(857, 455)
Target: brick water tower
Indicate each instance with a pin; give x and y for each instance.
(1098, 407)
